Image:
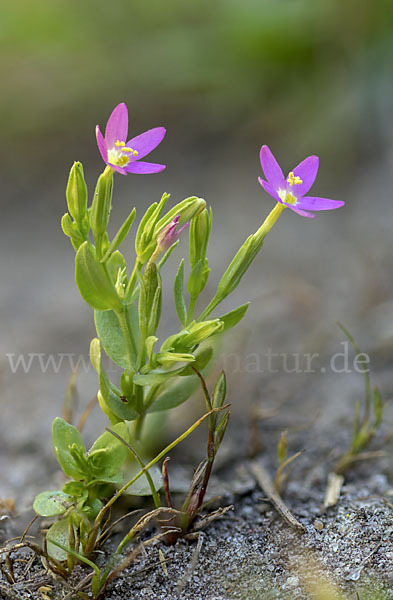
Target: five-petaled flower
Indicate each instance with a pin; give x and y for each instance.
(124, 156)
(291, 191)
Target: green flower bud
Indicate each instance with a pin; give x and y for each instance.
(101, 208)
(198, 332)
(150, 300)
(200, 228)
(167, 358)
(185, 210)
(76, 194)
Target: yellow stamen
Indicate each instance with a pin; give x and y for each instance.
(121, 154)
(293, 179)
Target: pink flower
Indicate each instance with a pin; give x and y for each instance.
(291, 191)
(125, 157)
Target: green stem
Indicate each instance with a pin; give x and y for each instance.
(138, 424)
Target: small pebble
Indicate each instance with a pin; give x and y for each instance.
(318, 525)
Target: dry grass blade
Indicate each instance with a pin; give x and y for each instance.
(26, 531)
(267, 485)
(333, 489)
(70, 398)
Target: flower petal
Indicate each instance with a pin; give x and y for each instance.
(307, 171)
(117, 126)
(101, 144)
(271, 168)
(299, 211)
(144, 167)
(315, 203)
(269, 189)
(147, 141)
(121, 170)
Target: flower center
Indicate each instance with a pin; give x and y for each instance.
(121, 154)
(293, 179)
(287, 197)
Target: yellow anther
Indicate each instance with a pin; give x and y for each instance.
(293, 179)
(121, 154)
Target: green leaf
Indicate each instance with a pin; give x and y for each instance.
(120, 235)
(202, 358)
(178, 291)
(111, 334)
(51, 504)
(157, 376)
(176, 394)
(58, 532)
(109, 397)
(77, 489)
(233, 317)
(93, 282)
(115, 262)
(198, 278)
(167, 255)
(219, 391)
(72, 231)
(64, 436)
(107, 454)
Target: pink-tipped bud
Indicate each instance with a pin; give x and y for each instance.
(168, 235)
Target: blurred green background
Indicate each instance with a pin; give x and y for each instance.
(222, 74)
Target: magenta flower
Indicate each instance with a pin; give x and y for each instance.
(168, 235)
(125, 157)
(291, 191)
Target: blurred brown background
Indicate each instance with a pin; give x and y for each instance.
(224, 77)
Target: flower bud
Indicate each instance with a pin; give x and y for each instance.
(185, 210)
(198, 332)
(200, 227)
(101, 207)
(76, 194)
